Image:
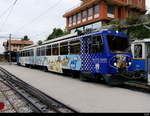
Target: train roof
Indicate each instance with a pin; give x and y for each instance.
(142, 41)
(61, 38)
(105, 31)
(27, 47)
(53, 40)
(73, 35)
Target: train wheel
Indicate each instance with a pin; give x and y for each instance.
(45, 69)
(75, 74)
(66, 72)
(83, 77)
(30, 66)
(112, 81)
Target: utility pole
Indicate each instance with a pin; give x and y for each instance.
(10, 49)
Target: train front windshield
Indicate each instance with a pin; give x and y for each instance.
(117, 43)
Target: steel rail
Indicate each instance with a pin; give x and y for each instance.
(50, 102)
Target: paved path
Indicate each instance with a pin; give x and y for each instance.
(84, 97)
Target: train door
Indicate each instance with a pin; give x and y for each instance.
(139, 58)
(138, 50)
(148, 59)
(91, 53)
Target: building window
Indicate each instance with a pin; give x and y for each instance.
(90, 13)
(111, 11)
(79, 18)
(74, 20)
(139, 3)
(70, 21)
(96, 11)
(84, 14)
(129, 1)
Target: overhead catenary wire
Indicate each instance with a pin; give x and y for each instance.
(6, 10)
(8, 14)
(36, 18)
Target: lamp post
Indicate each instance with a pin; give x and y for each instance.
(10, 49)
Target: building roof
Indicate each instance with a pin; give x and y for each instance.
(21, 42)
(18, 42)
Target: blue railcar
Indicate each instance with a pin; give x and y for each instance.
(102, 54)
(141, 58)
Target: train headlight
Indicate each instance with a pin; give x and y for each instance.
(130, 63)
(115, 64)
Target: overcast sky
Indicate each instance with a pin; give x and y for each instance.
(35, 18)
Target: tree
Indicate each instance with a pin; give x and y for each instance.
(57, 32)
(40, 42)
(133, 26)
(25, 38)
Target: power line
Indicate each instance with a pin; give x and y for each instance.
(5, 11)
(36, 18)
(8, 14)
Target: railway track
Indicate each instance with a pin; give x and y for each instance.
(33, 99)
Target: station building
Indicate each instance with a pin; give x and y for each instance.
(92, 14)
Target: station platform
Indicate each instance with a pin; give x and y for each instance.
(83, 96)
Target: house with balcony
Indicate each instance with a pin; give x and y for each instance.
(16, 45)
(11, 48)
(92, 14)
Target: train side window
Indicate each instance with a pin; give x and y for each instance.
(97, 45)
(148, 50)
(75, 47)
(64, 48)
(138, 51)
(48, 50)
(32, 52)
(38, 52)
(28, 53)
(43, 51)
(55, 49)
(24, 54)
